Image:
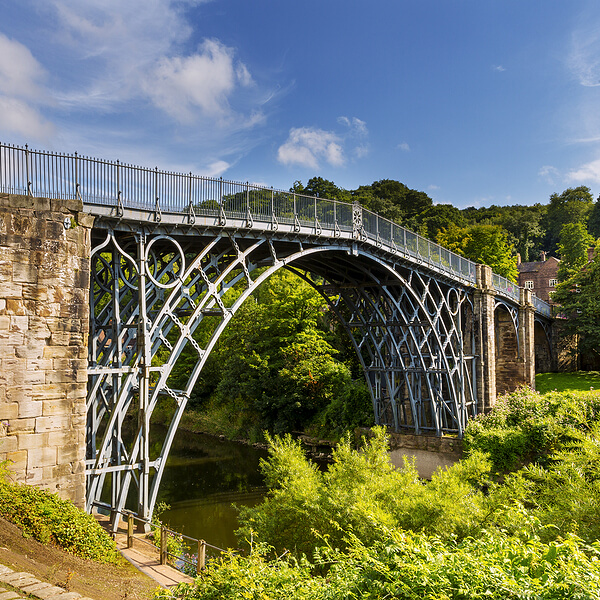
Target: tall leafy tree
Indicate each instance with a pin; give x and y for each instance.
(594, 220)
(579, 297)
(486, 244)
(573, 249)
(572, 206)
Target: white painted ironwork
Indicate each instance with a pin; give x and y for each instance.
(168, 251)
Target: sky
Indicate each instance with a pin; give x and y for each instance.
(475, 102)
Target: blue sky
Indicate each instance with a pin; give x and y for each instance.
(475, 102)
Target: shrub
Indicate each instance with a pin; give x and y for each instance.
(51, 520)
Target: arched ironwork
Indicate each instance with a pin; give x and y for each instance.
(153, 294)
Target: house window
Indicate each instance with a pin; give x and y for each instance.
(529, 285)
(553, 282)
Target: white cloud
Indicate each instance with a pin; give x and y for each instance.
(356, 125)
(306, 146)
(584, 56)
(404, 147)
(549, 173)
(135, 50)
(216, 168)
(499, 68)
(433, 187)
(20, 73)
(204, 80)
(588, 173)
(19, 118)
(22, 92)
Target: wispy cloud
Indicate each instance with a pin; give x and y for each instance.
(403, 146)
(307, 146)
(202, 81)
(311, 146)
(586, 174)
(584, 56)
(498, 68)
(125, 76)
(22, 91)
(549, 174)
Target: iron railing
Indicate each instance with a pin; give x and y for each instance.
(120, 185)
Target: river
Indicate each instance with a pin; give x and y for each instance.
(203, 477)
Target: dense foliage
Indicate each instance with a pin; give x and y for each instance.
(281, 365)
(476, 530)
(51, 520)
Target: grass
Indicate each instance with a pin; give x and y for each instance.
(564, 382)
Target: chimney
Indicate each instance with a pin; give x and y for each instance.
(543, 256)
(591, 253)
(518, 259)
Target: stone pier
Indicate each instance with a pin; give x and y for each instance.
(44, 323)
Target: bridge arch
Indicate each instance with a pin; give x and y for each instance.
(150, 294)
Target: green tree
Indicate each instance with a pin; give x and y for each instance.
(572, 206)
(323, 188)
(393, 200)
(573, 249)
(579, 298)
(486, 244)
(437, 217)
(594, 220)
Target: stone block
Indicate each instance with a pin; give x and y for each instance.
(38, 293)
(70, 454)
(14, 577)
(21, 425)
(11, 290)
(49, 592)
(19, 393)
(41, 457)
(30, 409)
(60, 406)
(39, 364)
(24, 273)
(43, 424)
(47, 392)
(9, 596)
(34, 476)
(60, 352)
(35, 587)
(8, 444)
(2, 304)
(9, 410)
(15, 306)
(17, 461)
(30, 441)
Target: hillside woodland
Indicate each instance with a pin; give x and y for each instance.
(284, 365)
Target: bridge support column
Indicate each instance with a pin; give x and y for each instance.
(527, 337)
(485, 338)
(44, 322)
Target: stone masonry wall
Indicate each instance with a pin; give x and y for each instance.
(44, 321)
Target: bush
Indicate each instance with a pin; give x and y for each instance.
(51, 520)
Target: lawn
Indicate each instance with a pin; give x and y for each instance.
(562, 382)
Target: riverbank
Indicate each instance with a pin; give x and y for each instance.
(58, 568)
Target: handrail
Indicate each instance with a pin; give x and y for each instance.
(121, 185)
(163, 549)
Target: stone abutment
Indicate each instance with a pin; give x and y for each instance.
(44, 323)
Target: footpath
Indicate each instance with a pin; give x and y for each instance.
(14, 585)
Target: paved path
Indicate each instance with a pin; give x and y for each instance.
(15, 585)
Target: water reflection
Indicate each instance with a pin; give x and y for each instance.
(203, 477)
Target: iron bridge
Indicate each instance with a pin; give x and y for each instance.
(175, 252)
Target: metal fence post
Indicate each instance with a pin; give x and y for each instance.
(130, 531)
(201, 555)
(163, 545)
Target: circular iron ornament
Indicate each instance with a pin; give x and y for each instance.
(450, 299)
(159, 271)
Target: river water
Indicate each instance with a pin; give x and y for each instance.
(203, 477)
